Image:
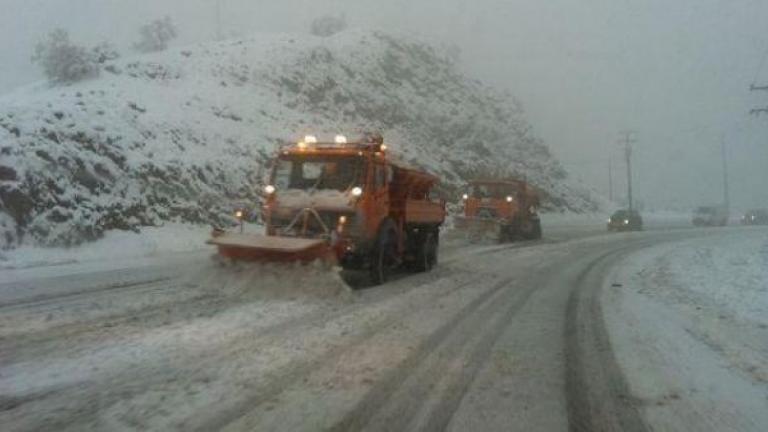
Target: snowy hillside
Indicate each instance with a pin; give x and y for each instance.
(180, 135)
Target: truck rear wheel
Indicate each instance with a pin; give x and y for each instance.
(426, 255)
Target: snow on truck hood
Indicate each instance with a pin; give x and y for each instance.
(322, 199)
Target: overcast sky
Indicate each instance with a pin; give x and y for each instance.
(676, 72)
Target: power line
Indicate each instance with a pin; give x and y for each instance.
(755, 87)
(759, 68)
(218, 20)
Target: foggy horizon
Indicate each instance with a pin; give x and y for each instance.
(678, 75)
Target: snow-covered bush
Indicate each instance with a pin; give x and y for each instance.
(62, 61)
(155, 35)
(104, 52)
(328, 25)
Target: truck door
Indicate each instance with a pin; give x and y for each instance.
(381, 199)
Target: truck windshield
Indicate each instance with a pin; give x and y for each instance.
(493, 190)
(337, 173)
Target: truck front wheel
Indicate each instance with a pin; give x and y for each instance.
(531, 229)
(382, 258)
(536, 229)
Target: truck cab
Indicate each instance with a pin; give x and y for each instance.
(373, 211)
(507, 206)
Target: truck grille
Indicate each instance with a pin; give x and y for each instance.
(486, 213)
(314, 228)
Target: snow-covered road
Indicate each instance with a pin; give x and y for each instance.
(690, 326)
(498, 337)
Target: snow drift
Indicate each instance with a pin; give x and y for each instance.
(182, 135)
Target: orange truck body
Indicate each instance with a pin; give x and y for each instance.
(507, 208)
(349, 201)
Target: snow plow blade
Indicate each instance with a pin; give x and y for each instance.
(478, 228)
(476, 224)
(256, 247)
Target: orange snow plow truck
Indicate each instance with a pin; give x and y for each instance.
(349, 201)
(504, 209)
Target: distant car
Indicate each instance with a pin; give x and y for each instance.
(625, 220)
(755, 217)
(710, 216)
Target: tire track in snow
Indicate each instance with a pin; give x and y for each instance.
(597, 394)
(423, 392)
(121, 384)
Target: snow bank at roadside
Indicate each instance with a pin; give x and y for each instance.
(570, 219)
(656, 218)
(724, 272)
(152, 241)
(689, 326)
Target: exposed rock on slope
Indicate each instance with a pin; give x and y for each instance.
(182, 135)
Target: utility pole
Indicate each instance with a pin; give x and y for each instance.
(628, 140)
(610, 178)
(726, 198)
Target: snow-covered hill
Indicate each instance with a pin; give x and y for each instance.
(181, 135)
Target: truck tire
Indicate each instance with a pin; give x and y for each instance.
(383, 254)
(426, 255)
(530, 229)
(537, 230)
(505, 233)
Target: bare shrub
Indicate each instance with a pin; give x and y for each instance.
(328, 25)
(62, 61)
(155, 35)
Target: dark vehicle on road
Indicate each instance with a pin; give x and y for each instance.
(710, 216)
(755, 217)
(625, 220)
